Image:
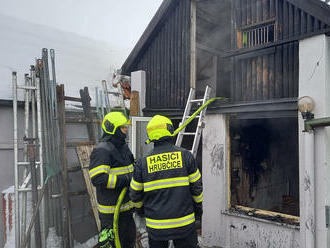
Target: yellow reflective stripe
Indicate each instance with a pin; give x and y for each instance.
(195, 176)
(138, 204)
(136, 185)
(171, 223)
(166, 183)
(198, 198)
(111, 209)
(112, 180)
(98, 170)
(122, 170)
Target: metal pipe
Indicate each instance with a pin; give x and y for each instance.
(26, 134)
(102, 103)
(17, 220)
(106, 95)
(41, 167)
(309, 190)
(319, 122)
(33, 218)
(34, 186)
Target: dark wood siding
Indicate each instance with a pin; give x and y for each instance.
(166, 60)
(268, 74)
(290, 19)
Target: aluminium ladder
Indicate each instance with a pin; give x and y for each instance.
(23, 183)
(200, 125)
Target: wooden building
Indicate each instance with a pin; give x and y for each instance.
(247, 51)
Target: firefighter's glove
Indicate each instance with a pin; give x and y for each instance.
(198, 209)
(106, 238)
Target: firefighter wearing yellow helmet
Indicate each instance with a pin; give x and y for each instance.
(166, 188)
(110, 170)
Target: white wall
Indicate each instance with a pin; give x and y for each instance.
(314, 81)
(214, 181)
(80, 61)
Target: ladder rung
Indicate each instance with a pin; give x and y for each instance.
(197, 100)
(26, 163)
(82, 192)
(114, 93)
(56, 196)
(26, 87)
(188, 133)
(74, 168)
(81, 143)
(27, 189)
(72, 99)
(80, 120)
(188, 116)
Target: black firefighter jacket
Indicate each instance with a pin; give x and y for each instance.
(166, 184)
(108, 169)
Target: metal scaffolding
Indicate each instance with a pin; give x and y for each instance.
(37, 181)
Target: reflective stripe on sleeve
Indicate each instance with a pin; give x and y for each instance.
(136, 185)
(112, 179)
(98, 170)
(199, 198)
(122, 170)
(138, 204)
(195, 176)
(111, 209)
(166, 183)
(170, 223)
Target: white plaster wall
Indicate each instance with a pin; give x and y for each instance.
(254, 233)
(314, 68)
(214, 181)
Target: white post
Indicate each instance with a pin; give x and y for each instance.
(138, 83)
(308, 214)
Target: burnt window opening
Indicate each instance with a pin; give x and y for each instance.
(258, 35)
(264, 164)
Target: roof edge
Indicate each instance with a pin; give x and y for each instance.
(309, 6)
(155, 21)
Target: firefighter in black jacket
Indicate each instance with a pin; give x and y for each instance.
(167, 188)
(110, 170)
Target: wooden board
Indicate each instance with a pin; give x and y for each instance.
(84, 153)
(134, 107)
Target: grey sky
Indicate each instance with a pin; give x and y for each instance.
(118, 22)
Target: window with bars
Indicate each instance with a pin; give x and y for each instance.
(258, 35)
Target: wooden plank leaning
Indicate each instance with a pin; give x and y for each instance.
(83, 153)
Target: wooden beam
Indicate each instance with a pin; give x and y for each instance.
(81, 120)
(193, 44)
(79, 143)
(255, 211)
(84, 153)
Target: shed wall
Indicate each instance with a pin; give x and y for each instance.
(166, 60)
